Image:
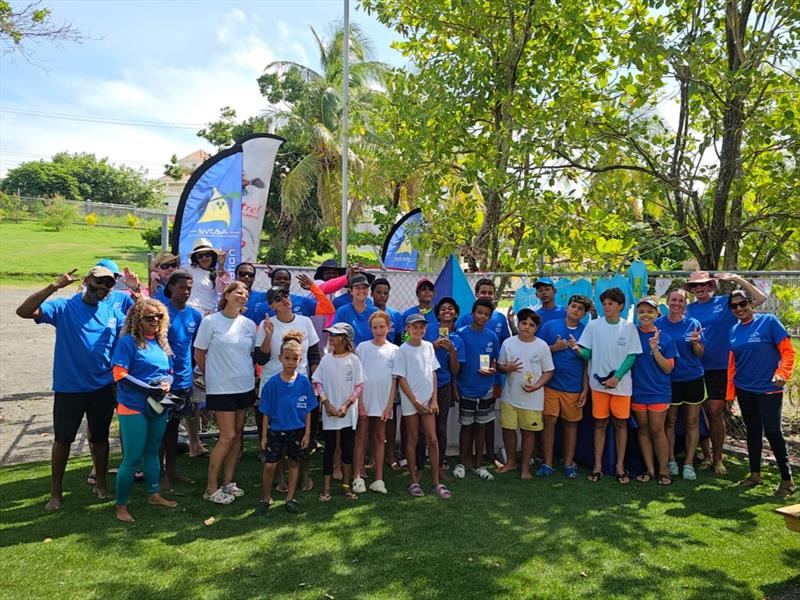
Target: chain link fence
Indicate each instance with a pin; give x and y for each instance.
(784, 298)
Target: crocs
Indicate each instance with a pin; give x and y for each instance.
(442, 491)
(359, 486)
(415, 490)
(219, 497)
(571, 471)
(672, 467)
(233, 490)
(545, 471)
(484, 474)
(689, 473)
(459, 472)
(292, 507)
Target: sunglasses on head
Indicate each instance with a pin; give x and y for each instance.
(247, 274)
(152, 318)
(168, 265)
(107, 282)
(735, 305)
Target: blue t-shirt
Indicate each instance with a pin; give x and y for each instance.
(618, 281)
(472, 384)
(568, 375)
(525, 297)
(443, 374)
(252, 309)
(287, 404)
(147, 364)
(688, 367)
(398, 325)
(579, 287)
(183, 325)
(498, 323)
(358, 320)
(119, 300)
(551, 314)
(755, 352)
(301, 305)
(85, 338)
(432, 332)
(650, 384)
(159, 294)
(717, 320)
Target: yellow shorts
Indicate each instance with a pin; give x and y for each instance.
(562, 404)
(515, 418)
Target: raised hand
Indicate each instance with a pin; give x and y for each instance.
(305, 281)
(653, 341)
(268, 327)
(65, 279)
(131, 279)
(694, 336)
(560, 344)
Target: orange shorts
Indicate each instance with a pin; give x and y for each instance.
(659, 407)
(604, 404)
(562, 404)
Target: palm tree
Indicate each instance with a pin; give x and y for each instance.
(313, 122)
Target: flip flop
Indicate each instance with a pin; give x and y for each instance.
(664, 479)
(307, 485)
(348, 492)
(325, 497)
(645, 477)
(395, 466)
(623, 478)
(201, 454)
(594, 477)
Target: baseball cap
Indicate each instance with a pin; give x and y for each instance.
(544, 281)
(424, 281)
(415, 318)
(650, 301)
(358, 279)
(99, 271)
(110, 265)
(446, 300)
(341, 329)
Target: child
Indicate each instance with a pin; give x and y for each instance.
(566, 393)
(651, 391)
(415, 367)
(287, 400)
(339, 380)
(527, 361)
(377, 400)
(610, 345)
(475, 382)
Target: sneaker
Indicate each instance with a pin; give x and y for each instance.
(545, 471)
(378, 486)
(459, 472)
(292, 507)
(263, 507)
(233, 490)
(673, 468)
(689, 473)
(359, 486)
(571, 471)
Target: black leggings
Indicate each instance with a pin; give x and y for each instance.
(347, 438)
(762, 417)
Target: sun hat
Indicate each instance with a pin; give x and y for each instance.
(341, 328)
(203, 245)
(699, 277)
(165, 256)
(329, 264)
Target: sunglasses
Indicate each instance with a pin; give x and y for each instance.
(205, 255)
(735, 305)
(279, 297)
(168, 266)
(152, 318)
(246, 274)
(106, 282)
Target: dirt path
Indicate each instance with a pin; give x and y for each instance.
(26, 399)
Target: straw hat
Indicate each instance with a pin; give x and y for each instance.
(699, 277)
(162, 257)
(203, 245)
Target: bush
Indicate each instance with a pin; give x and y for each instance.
(132, 220)
(152, 237)
(12, 208)
(58, 214)
(91, 219)
(788, 305)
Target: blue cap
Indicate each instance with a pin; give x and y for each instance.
(544, 281)
(110, 265)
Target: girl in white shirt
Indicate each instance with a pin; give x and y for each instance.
(375, 408)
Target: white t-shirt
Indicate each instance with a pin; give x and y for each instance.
(536, 359)
(204, 296)
(229, 360)
(339, 375)
(378, 361)
(416, 365)
(610, 344)
(273, 365)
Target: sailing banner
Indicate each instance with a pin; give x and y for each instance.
(398, 249)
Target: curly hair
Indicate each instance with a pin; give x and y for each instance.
(293, 340)
(133, 323)
(232, 286)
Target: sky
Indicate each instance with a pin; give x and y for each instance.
(163, 68)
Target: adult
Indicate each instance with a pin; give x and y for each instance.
(161, 267)
(184, 321)
(380, 289)
(119, 298)
(425, 293)
(141, 367)
(206, 264)
(357, 313)
(224, 355)
(686, 379)
(761, 362)
(246, 273)
(711, 309)
(86, 332)
(318, 304)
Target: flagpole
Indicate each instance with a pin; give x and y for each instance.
(345, 127)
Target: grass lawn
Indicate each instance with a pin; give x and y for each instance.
(550, 538)
(27, 247)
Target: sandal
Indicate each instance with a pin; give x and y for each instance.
(292, 507)
(645, 477)
(442, 491)
(263, 507)
(325, 497)
(459, 471)
(719, 469)
(594, 477)
(138, 476)
(219, 497)
(308, 485)
(749, 482)
(415, 490)
(92, 479)
(201, 454)
(282, 487)
(623, 478)
(785, 488)
(348, 492)
(663, 479)
(395, 466)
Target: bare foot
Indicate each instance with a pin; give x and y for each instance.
(526, 475)
(337, 474)
(507, 467)
(53, 504)
(159, 500)
(123, 514)
(102, 493)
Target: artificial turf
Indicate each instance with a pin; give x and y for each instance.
(547, 538)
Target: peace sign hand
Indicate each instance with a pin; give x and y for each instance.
(65, 279)
(653, 341)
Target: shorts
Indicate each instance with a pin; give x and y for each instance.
(69, 408)
(284, 443)
(512, 417)
(230, 402)
(716, 384)
(187, 410)
(562, 404)
(605, 404)
(407, 409)
(657, 407)
(476, 410)
(688, 392)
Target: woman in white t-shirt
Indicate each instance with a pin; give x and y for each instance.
(207, 266)
(223, 351)
(377, 400)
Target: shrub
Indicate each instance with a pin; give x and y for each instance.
(58, 214)
(152, 237)
(11, 208)
(91, 219)
(132, 220)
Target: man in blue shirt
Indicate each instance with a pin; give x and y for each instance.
(380, 297)
(86, 332)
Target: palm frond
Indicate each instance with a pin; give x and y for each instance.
(282, 66)
(298, 183)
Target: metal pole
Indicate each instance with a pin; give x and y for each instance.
(345, 126)
(165, 227)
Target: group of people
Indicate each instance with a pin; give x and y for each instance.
(336, 364)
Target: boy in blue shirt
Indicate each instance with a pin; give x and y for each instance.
(476, 386)
(546, 293)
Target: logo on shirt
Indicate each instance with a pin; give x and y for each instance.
(755, 338)
(718, 308)
(302, 402)
(191, 327)
(489, 347)
(622, 341)
(348, 376)
(112, 321)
